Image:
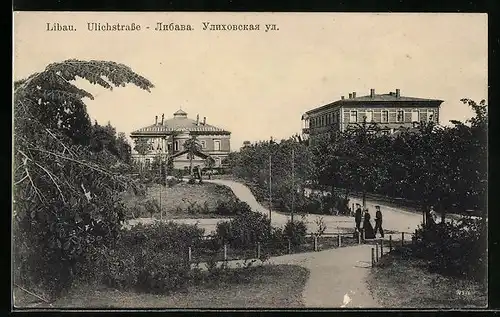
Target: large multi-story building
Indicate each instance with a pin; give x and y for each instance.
(168, 137)
(390, 111)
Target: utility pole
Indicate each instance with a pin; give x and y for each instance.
(161, 188)
(293, 183)
(270, 187)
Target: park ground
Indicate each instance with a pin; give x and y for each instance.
(399, 282)
(260, 286)
(339, 277)
(181, 201)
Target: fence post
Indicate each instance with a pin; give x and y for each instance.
(402, 239)
(376, 252)
(340, 240)
(258, 250)
(373, 257)
(390, 243)
(289, 246)
(189, 254)
(225, 252)
(315, 243)
(382, 248)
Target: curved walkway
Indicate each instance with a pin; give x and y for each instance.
(396, 220)
(337, 277)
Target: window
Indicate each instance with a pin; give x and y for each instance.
(430, 115)
(203, 144)
(401, 115)
(218, 161)
(354, 116)
(385, 116)
(176, 146)
(369, 116)
(415, 117)
(216, 145)
(169, 147)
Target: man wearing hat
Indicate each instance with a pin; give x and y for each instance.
(358, 216)
(378, 221)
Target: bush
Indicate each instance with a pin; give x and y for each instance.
(162, 272)
(454, 249)
(295, 231)
(161, 236)
(172, 181)
(152, 258)
(245, 229)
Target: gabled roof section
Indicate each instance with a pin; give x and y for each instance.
(180, 113)
(197, 153)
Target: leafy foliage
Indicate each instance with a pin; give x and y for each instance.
(296, 232)
(152, 258)
(245, 229)
(66, 208)
(252, 164)
(457, 249)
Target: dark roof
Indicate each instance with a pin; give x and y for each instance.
(180, 122)
(384, 98)
(390, 97)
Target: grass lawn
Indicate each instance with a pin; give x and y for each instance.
(267, 286)
(183, 200)
(398, 282)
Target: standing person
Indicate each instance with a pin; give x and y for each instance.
(357, 217)
(367, 226)
(432, 218)
(378, 221)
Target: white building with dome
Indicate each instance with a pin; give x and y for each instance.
(167, 136)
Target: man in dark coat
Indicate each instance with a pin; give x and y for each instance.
(378, 221)
(358, 216)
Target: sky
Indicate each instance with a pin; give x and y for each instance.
(257, 84)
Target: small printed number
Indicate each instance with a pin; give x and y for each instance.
(463, 293)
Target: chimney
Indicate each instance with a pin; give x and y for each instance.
(350, 95)
(156, 120)
(197, 119)
(354, 94)
(398, 93)
(342, 97)
(204, 120)
(162, 118)
(372, 93)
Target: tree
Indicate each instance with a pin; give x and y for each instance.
(123, 148)
(65, 197)
(209, 164)
(143, 147)
(192, 146)
(364, 162)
